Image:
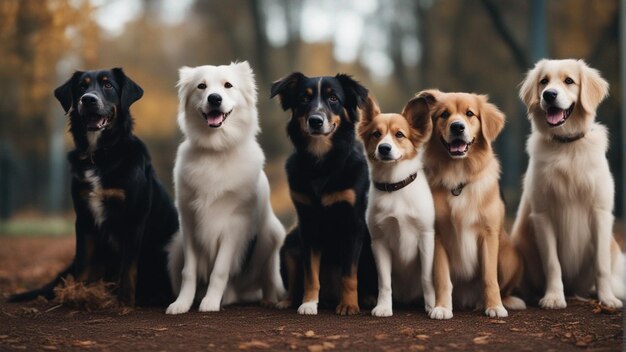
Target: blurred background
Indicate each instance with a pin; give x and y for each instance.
(394, 47)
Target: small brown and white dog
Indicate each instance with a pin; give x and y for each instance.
(400, 213)
(565, 220)
(472, 251)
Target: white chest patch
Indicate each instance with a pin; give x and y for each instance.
(95, 202)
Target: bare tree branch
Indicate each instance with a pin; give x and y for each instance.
(517, 50)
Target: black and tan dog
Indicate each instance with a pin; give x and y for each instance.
(124, 217)
(328, 180)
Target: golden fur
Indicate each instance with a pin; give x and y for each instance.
(472, 250)
(564, 223)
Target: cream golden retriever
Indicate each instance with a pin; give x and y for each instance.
(473, 253)
(564, 223)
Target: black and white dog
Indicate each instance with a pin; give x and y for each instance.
(124, 217)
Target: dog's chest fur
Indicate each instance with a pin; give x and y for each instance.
(94, 202)
(575, 180)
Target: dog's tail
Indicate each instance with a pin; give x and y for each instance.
(47, 291)
(618, 271)
(175, 261)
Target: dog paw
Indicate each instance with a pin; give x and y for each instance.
(440, 313)
(382, 311)
(553, 301)
(610, 301)
(496, 312)
(284, 304)
(178, 308)
(209, 305)
(308, 308)
(514, 303)
(347, 309)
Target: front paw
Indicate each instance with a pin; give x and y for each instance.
(610, 300)
(308, 308)
(440, 313)
(347, 309)
(209, 305)
(496, 312)
(284, 304)
(553, 301)
(178, 308)
(382, 311)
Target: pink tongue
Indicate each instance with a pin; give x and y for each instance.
(96, 122)
(214, 120)
(458, 147)
(555, 116)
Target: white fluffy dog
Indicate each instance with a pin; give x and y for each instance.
(565, 220)
(230, 237)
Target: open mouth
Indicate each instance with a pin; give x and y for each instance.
(215, 118)
(557, 116)
(457, 147)
(96, 122)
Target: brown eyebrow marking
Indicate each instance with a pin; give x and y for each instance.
(347, 195)
(87, 80)
(308, 91)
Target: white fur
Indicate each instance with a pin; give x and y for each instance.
(568, 194)
(401, 224)
(95, 202)
(222, 195)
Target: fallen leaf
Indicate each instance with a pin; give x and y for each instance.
(309, 333)
(585, 340)
(422, 337)
(517, 329)
(328, 345)
(315, 348)
(159, 329)
(380, 336)
(253, 344)
(335, 337)
(495, 321)
(83, 343)
(481, 340)
(417, 348)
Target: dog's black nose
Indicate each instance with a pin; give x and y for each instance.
(215, 99)
(549, 95)
(384, 149)
(315, 121)
(89, 99)
(457, 127)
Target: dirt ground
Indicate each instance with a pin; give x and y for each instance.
(42, 325)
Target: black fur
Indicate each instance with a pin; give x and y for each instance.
(128, 247)
(339, 230)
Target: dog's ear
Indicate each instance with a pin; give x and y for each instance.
(131, 91)
(431, 95)
(370, 110)
(528, 88)
(491, 119)
(285, 89)
(593, 88)
(417, 112)
(64, 92)
(356, 94)
(249, 88)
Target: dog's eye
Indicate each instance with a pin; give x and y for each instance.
(569, 81)
(108, 85)
(445, 115)
(202, 86)
(376, 134)
(228, 85)
(399, 135)
(469, 113)
(544, 81)
(333, 98)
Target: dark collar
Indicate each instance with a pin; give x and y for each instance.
(392, 187)
(567, 139)
(456, 191)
